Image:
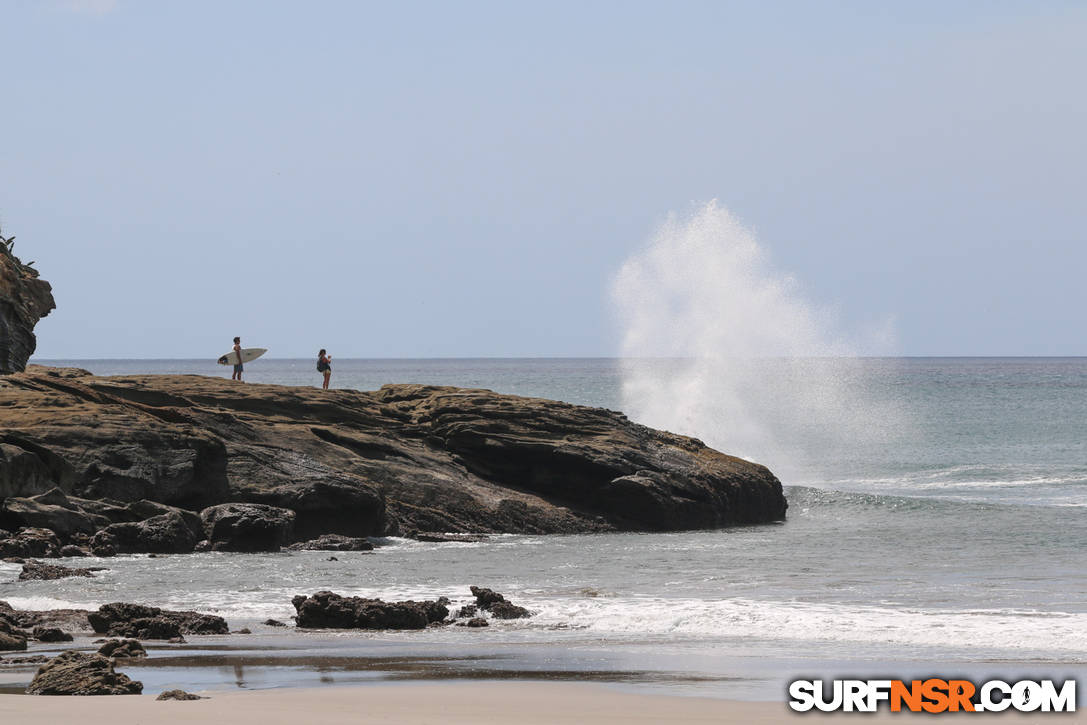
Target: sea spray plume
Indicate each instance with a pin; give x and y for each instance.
(718, 345)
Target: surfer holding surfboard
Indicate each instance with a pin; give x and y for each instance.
(238, 356)
(238, 367)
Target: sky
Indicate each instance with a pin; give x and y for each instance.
(466, 179)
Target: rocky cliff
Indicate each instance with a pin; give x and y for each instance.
(24, 299)
(402, 459)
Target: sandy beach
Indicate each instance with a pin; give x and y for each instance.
(450, 703)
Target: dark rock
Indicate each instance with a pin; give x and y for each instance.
(178, 695)
(332, 558)
(144, 509)
(114, 512)
(63, 521)
(505, 610)
(334, 503)
(71, 550)
(247, 526)
(10, 626)
(13, 560)
(328, 610)
(12, 641)
(177, 640)
(468, 610)
(486, 597)
(31, 542)
(274, 623)
(404, 458)
(493, 602)
(104, 544)
(25, 298)
(76, 673)
(243, 630)
(51, 634)
(36, 570)
(126, 648)
(121, 619)
(55, 497)
(333, 542)
(203, 545)
(167, 533)
(24, 468)
(475, 622)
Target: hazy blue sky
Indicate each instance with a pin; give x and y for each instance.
(465, 178)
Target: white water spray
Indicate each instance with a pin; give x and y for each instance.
(720, 346)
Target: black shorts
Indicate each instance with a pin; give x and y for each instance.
(238, 368)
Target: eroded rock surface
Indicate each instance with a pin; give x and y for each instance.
(405, 458)
(51, 634)
(247, 526)
(36, 570)
(25, 298)
(30, 542)
(136, 621)
(122, 648)
(327, 610)
(178, 695)
(77, 673)
(499, 607)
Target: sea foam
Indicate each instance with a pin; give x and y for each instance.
(720, 345)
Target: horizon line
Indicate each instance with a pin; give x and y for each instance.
(35, 361)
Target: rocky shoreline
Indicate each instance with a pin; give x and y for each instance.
(75, 672)
(174, 464)
(102, 466)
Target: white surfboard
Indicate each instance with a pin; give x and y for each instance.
(248, 354)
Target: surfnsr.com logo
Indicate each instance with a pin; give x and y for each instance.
(932, 695)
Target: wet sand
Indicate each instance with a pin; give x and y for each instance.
(469, 702)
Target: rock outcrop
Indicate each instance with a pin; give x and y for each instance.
(326, 610)
(178, 695)
(30, 542)
(51, 634)
(405, 458)
(499, 607)
(136, 621)
(168, 533)
(122, 648)
(36, 570)
(11, 638)
(333, 542)
(247, 526)
(76, 673)
(25, 298)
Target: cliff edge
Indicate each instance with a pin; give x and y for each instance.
(24, 299)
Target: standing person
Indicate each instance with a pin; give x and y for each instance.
(238, 365)
(324, 366)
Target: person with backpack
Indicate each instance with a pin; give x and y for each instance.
(324, 366)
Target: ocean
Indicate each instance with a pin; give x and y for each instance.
(937, 525)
